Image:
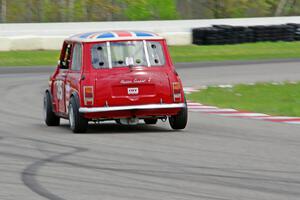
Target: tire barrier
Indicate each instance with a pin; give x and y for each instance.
(226, 34)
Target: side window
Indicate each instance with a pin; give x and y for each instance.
(77, 58)
(66, 57)
(100, 56)
(156, 54)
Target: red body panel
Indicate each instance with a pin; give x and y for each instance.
(122, 86)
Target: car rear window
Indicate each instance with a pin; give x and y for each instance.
(122, 54)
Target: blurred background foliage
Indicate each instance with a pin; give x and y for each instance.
(119, 10)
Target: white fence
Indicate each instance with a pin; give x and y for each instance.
(49, 36)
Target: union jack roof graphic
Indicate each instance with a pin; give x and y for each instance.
(114, 35)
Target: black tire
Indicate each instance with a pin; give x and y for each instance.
(150, 121)
(78, 123)
(179, 121)
(49, 116)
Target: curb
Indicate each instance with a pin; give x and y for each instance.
(229, 112)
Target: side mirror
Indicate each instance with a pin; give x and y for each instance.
(62, 64)
(59, 64)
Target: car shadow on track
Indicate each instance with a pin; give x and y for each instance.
(104, 128)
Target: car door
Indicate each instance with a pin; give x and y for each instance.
(74, 75)
(60, 80)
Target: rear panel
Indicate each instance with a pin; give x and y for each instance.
(119, 87)
(123, 86)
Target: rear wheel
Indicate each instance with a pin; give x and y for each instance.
(179, 121)
(78, 123)
(49, 116)
(150, 121)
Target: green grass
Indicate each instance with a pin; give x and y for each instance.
(253, 51)
(191, 53)
(282, 99)
(28, 58)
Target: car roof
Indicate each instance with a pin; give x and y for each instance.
(113, 36)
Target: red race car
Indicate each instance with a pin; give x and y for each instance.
(121, 75)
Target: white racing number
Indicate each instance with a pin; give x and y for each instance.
(59, 90)
(133, 91)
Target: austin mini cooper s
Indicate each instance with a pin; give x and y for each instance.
(125, 76)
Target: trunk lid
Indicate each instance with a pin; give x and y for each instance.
(132, 87)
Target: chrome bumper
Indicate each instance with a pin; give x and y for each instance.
(136, 107)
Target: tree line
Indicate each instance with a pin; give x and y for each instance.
(115, 10)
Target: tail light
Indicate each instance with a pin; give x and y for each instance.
(176, 92)
(88, 94)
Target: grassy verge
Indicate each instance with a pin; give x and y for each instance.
(253, 51)
(282, 99)
(28, 58)
(191, 53)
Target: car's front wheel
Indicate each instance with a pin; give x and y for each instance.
(49, 116)
(179, 121)
(78, 123)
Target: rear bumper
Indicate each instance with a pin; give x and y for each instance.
(135, 107)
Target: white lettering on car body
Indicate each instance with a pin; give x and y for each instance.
(135, 81)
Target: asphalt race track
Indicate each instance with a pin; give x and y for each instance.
(215, 158)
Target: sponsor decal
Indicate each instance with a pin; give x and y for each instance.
(133, 91)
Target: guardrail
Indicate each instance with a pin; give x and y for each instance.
(49, 36)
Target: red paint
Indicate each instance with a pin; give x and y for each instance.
(283, 120)
(227, 112)
(123, 33)
(110, 86)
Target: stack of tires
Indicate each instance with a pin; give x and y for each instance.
(207, 36)
(234, 34)
(273, 33)
(224, 34)
(296, 30)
